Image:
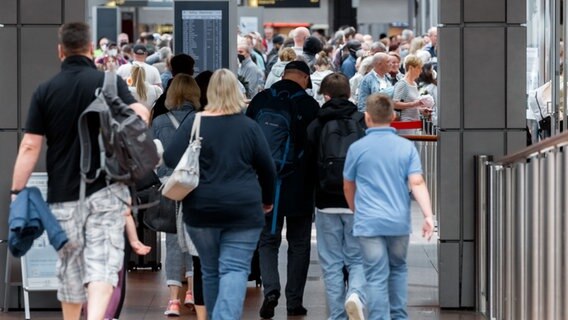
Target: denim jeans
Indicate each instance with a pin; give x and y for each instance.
(337, 247)
(386, 272)
(176, 262)
(225, 255)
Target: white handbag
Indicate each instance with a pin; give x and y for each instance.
(185, 177)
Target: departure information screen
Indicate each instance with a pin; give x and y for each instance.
(201, 29)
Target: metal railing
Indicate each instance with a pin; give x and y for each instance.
(522, 249)
(427, 144)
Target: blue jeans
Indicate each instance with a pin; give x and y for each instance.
(176, 262)
(337, 247)
(387, 276)
(225, 255)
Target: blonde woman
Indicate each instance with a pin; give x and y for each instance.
(284, 57)
(415, 45)
(406, 96)
(225, 213)
(182, 100)
(144, 92)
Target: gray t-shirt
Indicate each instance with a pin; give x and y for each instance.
(405, 92)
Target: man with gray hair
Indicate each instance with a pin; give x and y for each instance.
(376, 80)
(431, 47)
(249, 71)
(377, 47)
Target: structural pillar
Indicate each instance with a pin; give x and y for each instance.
(482, 101)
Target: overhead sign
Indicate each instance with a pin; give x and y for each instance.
(289, 3)
(202, 31)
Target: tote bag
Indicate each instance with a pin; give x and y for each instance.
(185, 177)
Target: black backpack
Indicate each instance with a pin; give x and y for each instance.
(278, 120)
(335, 138)
(128, 152)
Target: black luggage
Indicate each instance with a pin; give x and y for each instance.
(255, 269)
(150, 238)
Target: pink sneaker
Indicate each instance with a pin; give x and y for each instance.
(173, 308)
(188, 302)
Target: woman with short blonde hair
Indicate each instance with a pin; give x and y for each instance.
(225, 213)
(406, 96)
(223, 94)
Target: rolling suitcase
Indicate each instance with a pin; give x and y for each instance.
(150, 238)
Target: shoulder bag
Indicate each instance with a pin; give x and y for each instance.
(185, 177)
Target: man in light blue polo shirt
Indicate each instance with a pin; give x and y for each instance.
(378, 171)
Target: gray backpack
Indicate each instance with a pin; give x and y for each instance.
(128, 152)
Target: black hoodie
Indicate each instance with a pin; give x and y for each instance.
(331, 110)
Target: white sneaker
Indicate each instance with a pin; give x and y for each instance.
(354, 307)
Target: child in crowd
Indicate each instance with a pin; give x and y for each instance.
(378, 172)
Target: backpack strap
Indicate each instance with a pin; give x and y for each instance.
(173, 119)
(109, 84)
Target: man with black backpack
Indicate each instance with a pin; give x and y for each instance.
(90, 261)
(284, 112)
(338, 125)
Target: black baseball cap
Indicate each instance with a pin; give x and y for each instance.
(300, 66)
(140, 49)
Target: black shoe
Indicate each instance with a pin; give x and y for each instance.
(297, 311)
(267, 309)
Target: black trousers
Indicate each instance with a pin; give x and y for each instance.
(298, 234)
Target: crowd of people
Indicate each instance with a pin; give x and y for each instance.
(371, 64)
(302, 131)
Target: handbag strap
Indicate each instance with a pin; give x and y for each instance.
(196, 128)
(173, 120)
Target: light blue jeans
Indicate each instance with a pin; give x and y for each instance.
(386, 272)
(176, 262)
(337, 247)
(225, 255)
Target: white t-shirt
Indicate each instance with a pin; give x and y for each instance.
(152, 73)
(152, 94)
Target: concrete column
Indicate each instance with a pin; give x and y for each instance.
(482, 72)
(29, 54)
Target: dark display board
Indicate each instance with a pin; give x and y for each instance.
(289, 3)
(202, 30)
(107, 23)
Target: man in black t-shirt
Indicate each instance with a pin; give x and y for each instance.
(94, 254)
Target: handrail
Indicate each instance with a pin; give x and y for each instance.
(415, 137)
(536, 148)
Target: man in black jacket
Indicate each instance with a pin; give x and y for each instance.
(296, 201)
(326, 152)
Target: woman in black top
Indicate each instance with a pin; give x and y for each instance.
(225, 213)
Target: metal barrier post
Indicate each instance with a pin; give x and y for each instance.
(508, 245)
(521, 240)
(482, 248)
(534, 285)
(549, 235)
(564, 225)
(491, 242)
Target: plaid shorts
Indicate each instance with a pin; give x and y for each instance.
(95, 250)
